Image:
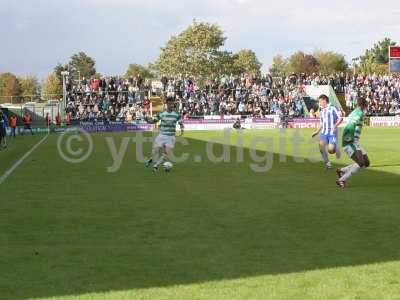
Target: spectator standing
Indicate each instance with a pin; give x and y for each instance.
(68, 119)
(58, 120)
(13, 125)
(27, 119)
(48, 120)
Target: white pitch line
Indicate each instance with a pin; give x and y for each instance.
(20, 161)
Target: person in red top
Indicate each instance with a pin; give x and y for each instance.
(58, 120)
(13, 125)
(27, 119)
(94, 84)
(68, 119)
(146, 105)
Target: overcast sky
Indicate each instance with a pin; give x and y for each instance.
(37, 34)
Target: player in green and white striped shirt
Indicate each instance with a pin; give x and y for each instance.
(164, 143)
(351, 145)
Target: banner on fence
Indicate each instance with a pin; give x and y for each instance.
(304, 123)
(116, 127)
(269, 122)
(384, 121)
(220, 124)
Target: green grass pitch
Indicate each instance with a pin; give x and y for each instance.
(204, 231)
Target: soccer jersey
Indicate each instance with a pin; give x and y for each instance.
(329, 116)
(168, 122)
(352, 131)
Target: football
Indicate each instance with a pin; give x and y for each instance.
(167, 166)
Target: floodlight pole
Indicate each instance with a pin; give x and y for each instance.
(64, 74)
(355, 64)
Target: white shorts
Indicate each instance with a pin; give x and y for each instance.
(164, 141)
(350, 149)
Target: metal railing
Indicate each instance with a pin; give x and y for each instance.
(29, 98)
(37, 112)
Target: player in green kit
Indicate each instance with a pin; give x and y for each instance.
(351, 144)
(164, 143)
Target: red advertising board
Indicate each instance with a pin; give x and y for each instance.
(394, 59)
(395, 52)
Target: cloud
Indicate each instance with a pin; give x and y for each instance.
(120, 32)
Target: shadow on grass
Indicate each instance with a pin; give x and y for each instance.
(385, 165)
(202, 222)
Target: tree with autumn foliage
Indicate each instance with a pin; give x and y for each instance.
(52, 87)
(10, 88)
(301, 62)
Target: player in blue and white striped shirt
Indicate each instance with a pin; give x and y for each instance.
(331, 118)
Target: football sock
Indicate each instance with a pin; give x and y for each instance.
(354, 168)
(324, 155)
(155, 155)
(159, 161)
(345, 169)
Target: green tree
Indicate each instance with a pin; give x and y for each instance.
(30, 86)
(330, 62)
(52, 87)
(195, 52)
(81, 65)
(10, 88)
(246, 62)
(136, 70)
(300, 62)
(279, 66)
(224, 64)
(376, 59)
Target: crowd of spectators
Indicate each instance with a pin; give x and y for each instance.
(230, 95)
(234, 96)
(107, 99)
(121, 99)
(247, 95)
(258, 96)
(381, 92)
